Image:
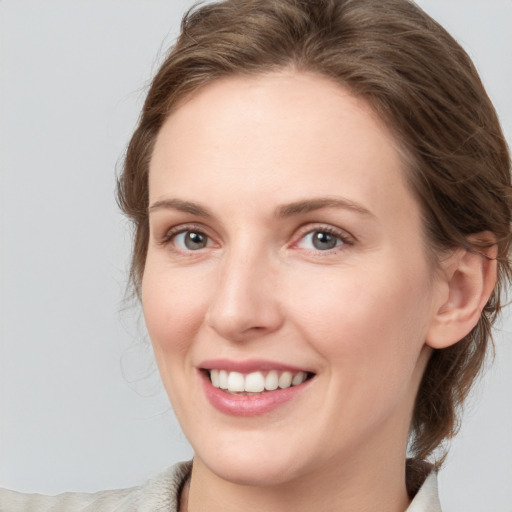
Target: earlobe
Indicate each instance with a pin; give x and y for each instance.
(468, 279)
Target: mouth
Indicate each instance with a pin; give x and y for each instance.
(253, 387)
(255, 382)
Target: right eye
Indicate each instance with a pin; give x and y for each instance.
(190, 240)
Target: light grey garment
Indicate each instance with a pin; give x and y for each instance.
(161, 494)
(427, 498)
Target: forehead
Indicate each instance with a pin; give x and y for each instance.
(282, 134)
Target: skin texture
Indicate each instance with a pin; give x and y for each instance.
(359, 316)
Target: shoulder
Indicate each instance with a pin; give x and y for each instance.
(12, 501)
(157, 495)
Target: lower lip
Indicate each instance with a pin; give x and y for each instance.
(249, 405)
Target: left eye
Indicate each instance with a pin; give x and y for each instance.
(190, 240)
(320, 240)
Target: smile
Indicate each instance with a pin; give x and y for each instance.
(252, 388)
(255, 382)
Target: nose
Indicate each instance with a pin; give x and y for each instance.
(245, 304)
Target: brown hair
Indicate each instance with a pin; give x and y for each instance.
(425, 87)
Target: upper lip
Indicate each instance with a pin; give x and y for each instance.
(249, 365)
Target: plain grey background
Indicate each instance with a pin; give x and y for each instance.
(81, 405)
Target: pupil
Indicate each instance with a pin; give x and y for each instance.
(195, 240)
(323, 241)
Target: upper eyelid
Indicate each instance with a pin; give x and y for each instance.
(321, 226)
(167, 234)
(347, 242)
(161, 221)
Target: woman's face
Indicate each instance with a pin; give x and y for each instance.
(285, 244)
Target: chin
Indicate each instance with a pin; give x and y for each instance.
(250, 460)
(253, 473)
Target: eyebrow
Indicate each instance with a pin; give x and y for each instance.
(286, 210)
(310, 205)
(182, 206)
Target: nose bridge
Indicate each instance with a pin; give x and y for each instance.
(244, 303)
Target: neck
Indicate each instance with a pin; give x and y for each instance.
(358, 489)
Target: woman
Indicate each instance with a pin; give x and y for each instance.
(303, 337)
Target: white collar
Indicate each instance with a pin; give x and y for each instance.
(427, 498)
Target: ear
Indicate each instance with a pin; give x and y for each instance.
(467, 280)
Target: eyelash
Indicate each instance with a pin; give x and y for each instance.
(182, 228)
(342, 236)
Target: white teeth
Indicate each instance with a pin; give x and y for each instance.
(236, 382)
(298, 378)
(223, 379)
(271, 380)
(255, 382)
(214, 376)
(285, 381)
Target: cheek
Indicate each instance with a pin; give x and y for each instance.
(173, 311)
(370, 324)
(370, 333)
(173, 307)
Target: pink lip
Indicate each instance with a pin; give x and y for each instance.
(248, 405)
(252, 365)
